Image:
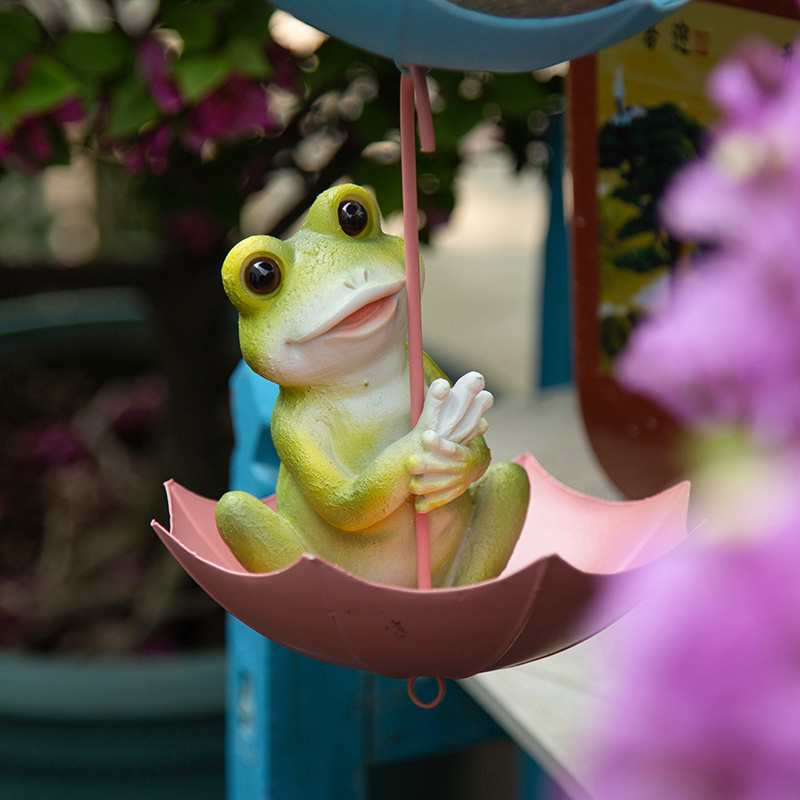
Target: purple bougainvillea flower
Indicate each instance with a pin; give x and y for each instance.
(31, 145)
(285, 67)
(35, 137)
(149, 151)
(236, 110)
(709, 689)
(193, 232)
(134, 410)
(737, 194)
(71, 111)
(725, 352)
(747, 85)
(152, 64)
(31, 148)
(54, 445)
(709, 694)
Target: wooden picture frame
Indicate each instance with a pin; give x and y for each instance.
(637, 443)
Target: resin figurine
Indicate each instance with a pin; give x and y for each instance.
(323, 315)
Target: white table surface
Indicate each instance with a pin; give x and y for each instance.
(549, 707)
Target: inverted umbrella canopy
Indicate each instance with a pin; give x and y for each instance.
(571, 545)
(442, 33)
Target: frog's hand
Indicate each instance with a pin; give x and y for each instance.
(445, 470)
(435, 400)
(461, 418)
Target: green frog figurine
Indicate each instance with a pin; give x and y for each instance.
(323, 315)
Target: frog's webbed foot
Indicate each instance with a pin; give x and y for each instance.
(500, 503)
(261, 539)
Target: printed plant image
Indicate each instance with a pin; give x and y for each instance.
(639, 150)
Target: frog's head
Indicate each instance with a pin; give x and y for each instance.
(324, 301)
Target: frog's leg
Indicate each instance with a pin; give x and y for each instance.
(500, 503)
(261, 539)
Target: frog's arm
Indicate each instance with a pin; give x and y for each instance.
(350, 503)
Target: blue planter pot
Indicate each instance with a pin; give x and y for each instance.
(95, 730)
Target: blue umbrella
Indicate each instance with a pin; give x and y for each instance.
(442, 33)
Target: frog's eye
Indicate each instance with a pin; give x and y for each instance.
(261, 275)
(353, 217)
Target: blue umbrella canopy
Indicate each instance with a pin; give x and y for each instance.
(484, 35)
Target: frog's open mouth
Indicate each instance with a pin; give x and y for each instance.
(362, 314)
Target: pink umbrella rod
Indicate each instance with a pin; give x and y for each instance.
(413, 88)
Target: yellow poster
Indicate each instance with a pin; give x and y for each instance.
(652, 115)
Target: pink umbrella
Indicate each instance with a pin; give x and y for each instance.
(571, 546)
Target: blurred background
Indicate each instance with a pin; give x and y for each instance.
(138, 141)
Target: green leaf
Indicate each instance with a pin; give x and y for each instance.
(517, 95)
(132, 107)
(6, 69)
(7, 117)
(18, 34)
(251, 20)
(195, 24)
(384, 182)
(248, 56)
(95, 55)
(335, 59)
(198, 75)
(49, 83)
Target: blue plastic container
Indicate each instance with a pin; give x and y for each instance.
(127, 730)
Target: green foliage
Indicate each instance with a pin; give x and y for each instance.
(133, 107)
(18, 35)
(48, 83)
(93, 56)
(195, 23)
(198, 74)
(247, 56)
(461, 102)
(341, 96)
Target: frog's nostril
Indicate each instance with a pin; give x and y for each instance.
(357, 280)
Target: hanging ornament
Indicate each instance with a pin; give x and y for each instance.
(519, 605)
